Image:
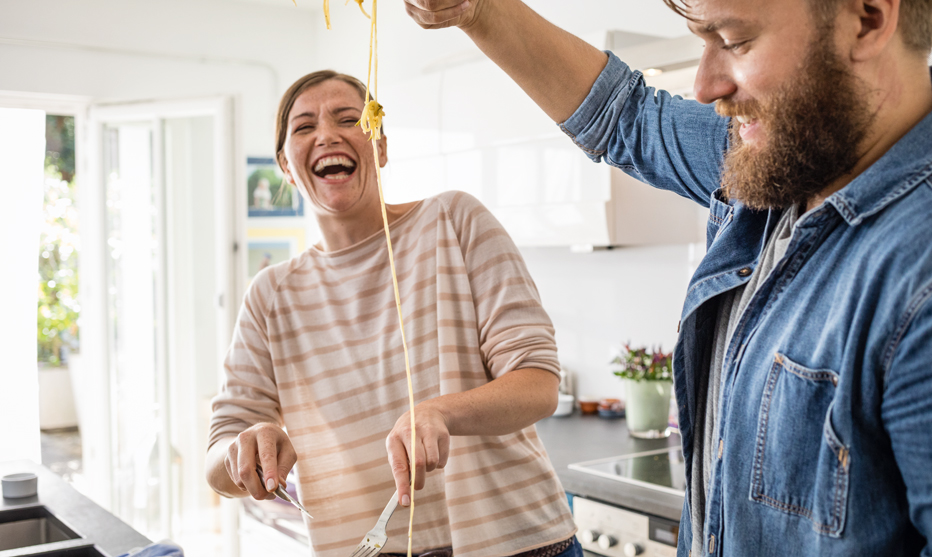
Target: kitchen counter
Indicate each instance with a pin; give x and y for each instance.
(99, 528)
(576, 438)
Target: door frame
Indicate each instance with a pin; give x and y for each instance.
(228, 179)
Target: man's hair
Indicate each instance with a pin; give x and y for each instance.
(915, 21)
(300, 86)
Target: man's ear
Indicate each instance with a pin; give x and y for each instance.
(383, 151)
(877, 22)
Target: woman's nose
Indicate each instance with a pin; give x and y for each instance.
(327, 134)
(713, 81)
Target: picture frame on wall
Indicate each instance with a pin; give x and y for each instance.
(268, 246)
(268, 194)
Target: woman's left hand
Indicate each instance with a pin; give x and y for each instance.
(431, 448)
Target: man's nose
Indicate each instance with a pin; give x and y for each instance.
(713, 81)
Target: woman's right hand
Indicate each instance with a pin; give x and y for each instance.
(436, 14)
(265, 445)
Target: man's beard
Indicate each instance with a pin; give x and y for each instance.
(813, 129)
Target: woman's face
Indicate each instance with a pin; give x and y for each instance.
(326, 154)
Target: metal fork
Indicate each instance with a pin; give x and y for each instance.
(373, 542)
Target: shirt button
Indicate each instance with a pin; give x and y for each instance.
(745, 272)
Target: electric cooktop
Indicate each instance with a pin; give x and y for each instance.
(662, 469)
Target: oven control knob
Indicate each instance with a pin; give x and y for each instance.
(606, 541)
(589, 536)
(633, 549)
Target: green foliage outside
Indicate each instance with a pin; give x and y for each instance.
(58, 308)
(640, 364)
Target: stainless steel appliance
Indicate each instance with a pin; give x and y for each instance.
(623, 532)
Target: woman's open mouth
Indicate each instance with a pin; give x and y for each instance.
(334, 167)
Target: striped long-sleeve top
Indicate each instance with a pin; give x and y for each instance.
(317, 350)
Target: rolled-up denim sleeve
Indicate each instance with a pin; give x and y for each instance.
(907, 410)
(664, 140)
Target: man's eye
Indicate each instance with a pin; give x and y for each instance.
(735, 46)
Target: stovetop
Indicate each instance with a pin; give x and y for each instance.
(661, 470)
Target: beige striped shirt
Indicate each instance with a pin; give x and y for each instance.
(317, 350)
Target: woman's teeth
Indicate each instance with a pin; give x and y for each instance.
(337, 166)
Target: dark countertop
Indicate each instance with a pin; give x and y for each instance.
(109, 534)
(577, 438)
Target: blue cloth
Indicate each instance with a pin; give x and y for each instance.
(826, 398)
(160, 549)
(574, 550)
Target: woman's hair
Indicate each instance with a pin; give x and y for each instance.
(300, 86)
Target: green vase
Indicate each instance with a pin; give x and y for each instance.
(647, 408)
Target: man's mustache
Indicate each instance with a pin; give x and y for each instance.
(729, 109)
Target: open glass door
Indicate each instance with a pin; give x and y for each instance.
(161, 279)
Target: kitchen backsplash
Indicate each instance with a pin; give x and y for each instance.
(599, 300)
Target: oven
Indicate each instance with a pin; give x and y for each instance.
(617, 531)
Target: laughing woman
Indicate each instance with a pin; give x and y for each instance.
(315, 376)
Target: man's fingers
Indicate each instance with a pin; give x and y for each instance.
(433, 14)
(398, 461)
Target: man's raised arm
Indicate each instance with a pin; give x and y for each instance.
(556, 69)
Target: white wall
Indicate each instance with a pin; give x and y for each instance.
(600, 300)
(113, 50)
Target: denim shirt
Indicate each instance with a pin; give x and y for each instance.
(825, 441)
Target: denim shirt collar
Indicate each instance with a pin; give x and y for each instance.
(897, 172)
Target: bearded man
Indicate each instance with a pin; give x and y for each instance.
(803, 370)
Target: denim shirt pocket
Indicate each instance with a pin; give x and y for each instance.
(801, 467)
(719, 214)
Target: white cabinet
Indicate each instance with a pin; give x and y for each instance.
(471, 128)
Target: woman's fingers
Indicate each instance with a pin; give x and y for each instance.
(398, 461)
(432, 448)
(229, 462)
(420, 465)
(246, 465)
(443, 447)
(267, 446)
(264, 445)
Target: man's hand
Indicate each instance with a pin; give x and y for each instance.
(266, 445)
(432, 448)
(436, 14)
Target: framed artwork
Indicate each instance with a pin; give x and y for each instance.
(268, 246)
(269, 195)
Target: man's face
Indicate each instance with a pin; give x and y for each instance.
(798, 114)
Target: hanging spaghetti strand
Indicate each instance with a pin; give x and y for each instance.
(371, 122)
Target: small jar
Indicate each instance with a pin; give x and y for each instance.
(588, 406)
